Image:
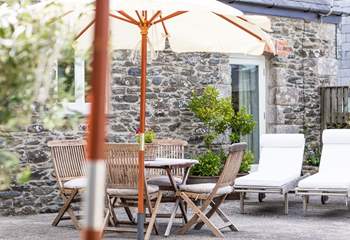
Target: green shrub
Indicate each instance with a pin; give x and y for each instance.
(242, 123)
(213, 111)
(314, 158)
(218, 115)
(247, 161)
(9, 167)
(210, 164)
(150, 135)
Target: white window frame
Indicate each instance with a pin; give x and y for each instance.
(261, 63)
(79, 105)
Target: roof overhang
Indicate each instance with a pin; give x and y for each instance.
(316, 15)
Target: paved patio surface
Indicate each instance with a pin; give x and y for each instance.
(262, 221)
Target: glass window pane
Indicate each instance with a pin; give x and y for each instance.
(245, 94)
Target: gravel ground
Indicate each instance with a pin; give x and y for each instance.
(261, 221)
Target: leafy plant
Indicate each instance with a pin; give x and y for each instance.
(241, 123)
(210, 164)
(247, 161)
(314, 158)
(213, 111)
(150, 135)
(30, 43)
(218, 116)
(9, 166)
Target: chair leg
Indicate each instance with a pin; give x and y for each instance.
(73, 218)
(150, 209)
(153, 217)
(129, 213)
(305, 203)
(241, 201)
(67, 202)
(110, 205)
(105, 221)
(198, 214)
(214, 207)
(286, 203)
(172, 217)
(223, 216)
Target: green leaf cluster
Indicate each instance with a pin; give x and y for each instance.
(30, 43)
(210, 164)
(241, 124)
(247, 161)
(150, 135)
(9, 166)
(314, 157)
(214, 112)
(218, 116)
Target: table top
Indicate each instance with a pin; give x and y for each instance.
(170, 162)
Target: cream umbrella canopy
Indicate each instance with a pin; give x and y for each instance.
(189, 25)
(193, 28)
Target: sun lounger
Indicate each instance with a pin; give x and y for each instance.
(333, 178)
(281, 159)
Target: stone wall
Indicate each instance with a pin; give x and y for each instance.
(294, 80)
(292, 103)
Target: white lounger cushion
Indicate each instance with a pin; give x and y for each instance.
(163, 181)
(324, 181)
(334, 169)
(335, 158)
(281, 158)
(76, 183)
(259, 179)
(130, 192)
(205, 188)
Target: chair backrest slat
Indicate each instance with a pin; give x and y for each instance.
(232, 164)
(122, 165)
(169, 148)
(69, 159)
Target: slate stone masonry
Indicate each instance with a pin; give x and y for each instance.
(292, 103)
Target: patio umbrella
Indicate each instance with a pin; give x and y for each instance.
(189, 25)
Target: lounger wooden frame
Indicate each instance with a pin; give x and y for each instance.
(325, 192)
(69, 163)
(122, 173)
(213, 199)
(262, 190)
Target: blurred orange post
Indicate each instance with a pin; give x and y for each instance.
(95, 195)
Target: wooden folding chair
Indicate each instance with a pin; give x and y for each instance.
(122, 178)
(70, 170)
(167, 148)
(213, 195)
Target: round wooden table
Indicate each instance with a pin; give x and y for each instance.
(168, 164)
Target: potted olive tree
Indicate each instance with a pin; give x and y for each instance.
(218, 116)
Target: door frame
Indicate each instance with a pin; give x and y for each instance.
(261, 63)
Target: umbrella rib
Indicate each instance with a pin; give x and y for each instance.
(129, 17)
(169, 16)
(84, 30)
(239, 26)
(139, 16)
(154, 17)
(123, 19)
(164, 27)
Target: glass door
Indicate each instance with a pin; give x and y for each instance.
(248, 92)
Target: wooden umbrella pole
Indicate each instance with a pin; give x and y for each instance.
(95, 195)
(141, 177)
